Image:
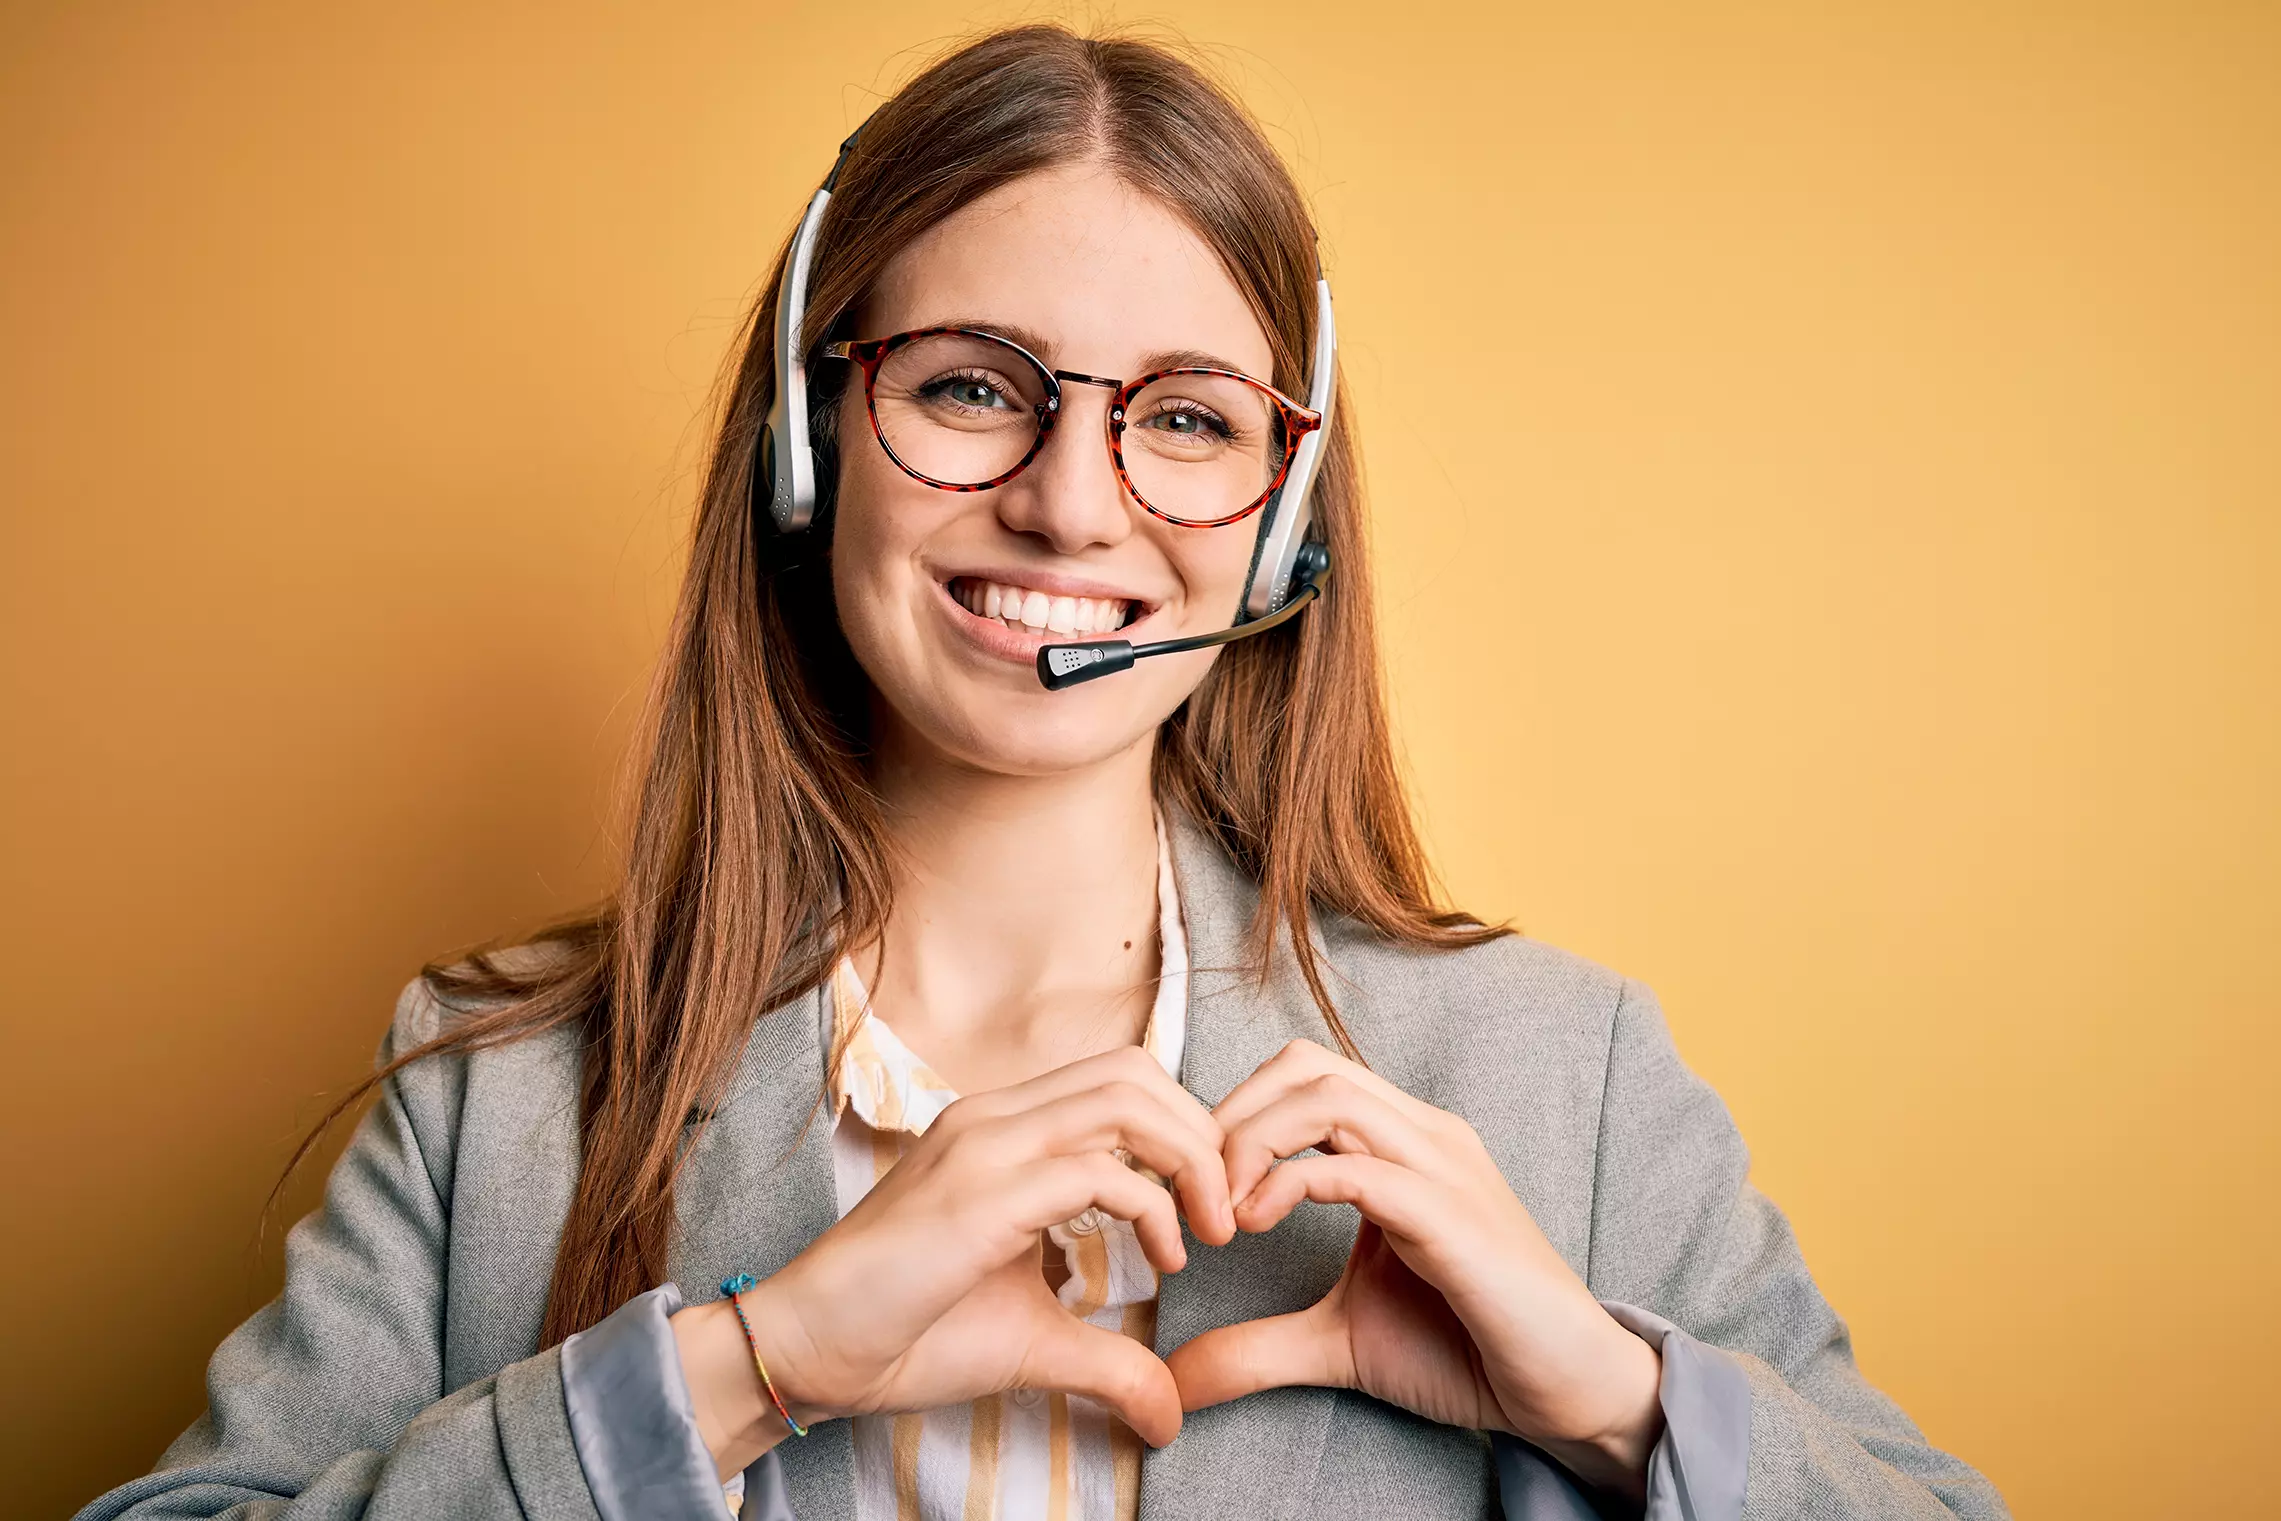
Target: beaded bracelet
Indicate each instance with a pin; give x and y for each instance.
(734, 1287)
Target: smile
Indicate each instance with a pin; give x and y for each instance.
(1030, 610)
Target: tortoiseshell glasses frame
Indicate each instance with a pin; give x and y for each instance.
(869, 353)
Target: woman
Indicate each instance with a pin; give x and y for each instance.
(876, 866)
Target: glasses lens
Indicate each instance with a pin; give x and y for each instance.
(1203, 447)
(958, 409)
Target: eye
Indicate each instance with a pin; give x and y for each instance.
(1189, 420)
(973, 391)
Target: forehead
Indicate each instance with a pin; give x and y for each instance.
(1103, 273)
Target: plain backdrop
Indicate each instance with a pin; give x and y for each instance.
(1824, 475)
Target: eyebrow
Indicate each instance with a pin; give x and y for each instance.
(1038, 344)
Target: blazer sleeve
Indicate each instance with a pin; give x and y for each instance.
(1678, 1230)
(330, 1401)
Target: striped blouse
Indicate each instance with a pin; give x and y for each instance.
(1028, 1454)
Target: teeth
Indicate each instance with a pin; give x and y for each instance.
(1021, 607)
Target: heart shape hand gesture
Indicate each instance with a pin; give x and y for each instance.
(1453, 1304)
(930, 1291)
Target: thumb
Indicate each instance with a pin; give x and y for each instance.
(1301, 1348)
(1070, 1356)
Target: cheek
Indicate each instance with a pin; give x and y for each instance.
(867, 592)
(1211, 563)
(876, 523)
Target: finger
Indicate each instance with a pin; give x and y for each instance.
(1128, 1064)
(1301, 1061)
(1392, 1195)
(1066, 1187)
(1133, 1117)
(1332, 1111)
(1073, 1357)
(1274, 1353)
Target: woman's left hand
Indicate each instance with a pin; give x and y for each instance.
(1453, 1304)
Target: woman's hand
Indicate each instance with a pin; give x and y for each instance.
(932, 1291)
(1453, 1304)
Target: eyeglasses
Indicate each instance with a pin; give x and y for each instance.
(966, 410)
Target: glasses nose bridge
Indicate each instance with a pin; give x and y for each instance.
(1057, 408)
(1087, 380)
(1116, 416)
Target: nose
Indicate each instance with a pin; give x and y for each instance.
(1070, 496)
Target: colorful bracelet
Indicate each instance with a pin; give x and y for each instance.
(734, 1288)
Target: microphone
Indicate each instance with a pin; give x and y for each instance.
(1065, 665)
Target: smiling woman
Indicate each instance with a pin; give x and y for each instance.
(1091, 1220)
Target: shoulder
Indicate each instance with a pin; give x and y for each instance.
(1510, 999)
(444, 996)
(454, 1095)
(1508, 1027)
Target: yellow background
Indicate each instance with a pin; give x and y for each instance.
(1825, 482)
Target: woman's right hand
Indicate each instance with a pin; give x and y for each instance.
(932, 1291)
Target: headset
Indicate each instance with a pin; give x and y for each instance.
(1288, 569)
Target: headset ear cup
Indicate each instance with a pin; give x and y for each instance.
(823, 457)
(1259, 546)
(761, 492)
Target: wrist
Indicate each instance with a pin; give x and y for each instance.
(773, 1336)
(734, 1414)
(1618, 1425)
(734, 1418)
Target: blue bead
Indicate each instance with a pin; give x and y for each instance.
(738, 1284)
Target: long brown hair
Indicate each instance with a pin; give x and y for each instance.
(755, 850)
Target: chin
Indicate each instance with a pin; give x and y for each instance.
(981, 706)
(1052, 734)
(1005, 723)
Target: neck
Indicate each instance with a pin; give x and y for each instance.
(1024, 929)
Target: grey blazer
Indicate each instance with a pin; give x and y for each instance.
(399, 1375)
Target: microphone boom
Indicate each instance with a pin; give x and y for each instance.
(1061, 666)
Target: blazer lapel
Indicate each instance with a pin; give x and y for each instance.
(756, 1190)
(1255, 1457)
